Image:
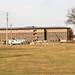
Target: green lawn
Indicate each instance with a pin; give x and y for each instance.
(42, 59)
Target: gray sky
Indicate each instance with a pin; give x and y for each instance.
(42, 13)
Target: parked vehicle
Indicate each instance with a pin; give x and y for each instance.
(63, 41)
(15, 42)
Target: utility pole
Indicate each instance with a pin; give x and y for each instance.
(6, 28)
(11, 33)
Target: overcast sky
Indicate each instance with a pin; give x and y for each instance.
(42, 13)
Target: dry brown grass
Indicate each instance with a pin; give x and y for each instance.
(41, 59)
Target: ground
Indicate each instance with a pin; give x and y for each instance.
(40, 59)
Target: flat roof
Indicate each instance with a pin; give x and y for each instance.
(27, 28)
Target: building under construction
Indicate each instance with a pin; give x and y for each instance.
(51, 34)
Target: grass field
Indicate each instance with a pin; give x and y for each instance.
(42, 59)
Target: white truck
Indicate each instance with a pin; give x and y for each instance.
(15, 42)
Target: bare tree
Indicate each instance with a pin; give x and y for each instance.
(71, 16)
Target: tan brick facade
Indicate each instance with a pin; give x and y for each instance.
(50, 34)
(56, 34)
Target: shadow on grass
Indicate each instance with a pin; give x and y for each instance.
(16, 55)
(1, 49)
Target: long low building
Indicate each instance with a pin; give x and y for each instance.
(51, 34)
